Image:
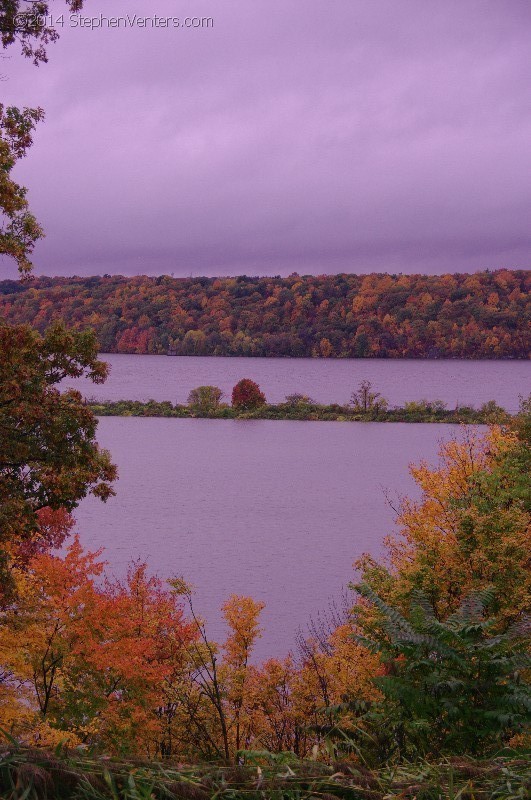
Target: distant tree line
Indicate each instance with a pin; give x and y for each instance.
(480, 315)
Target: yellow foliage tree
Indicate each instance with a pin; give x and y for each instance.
(469, 530)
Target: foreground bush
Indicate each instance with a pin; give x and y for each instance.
(448, 687)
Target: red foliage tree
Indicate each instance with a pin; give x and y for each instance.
(53, 526)
(247, 395)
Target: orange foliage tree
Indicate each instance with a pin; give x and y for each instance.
(88, 659)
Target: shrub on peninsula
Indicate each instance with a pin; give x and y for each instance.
(205, 399)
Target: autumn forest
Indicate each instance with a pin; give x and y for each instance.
(484, 315)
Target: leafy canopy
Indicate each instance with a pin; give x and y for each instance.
(19, 230)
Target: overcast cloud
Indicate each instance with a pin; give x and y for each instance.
(294, 135)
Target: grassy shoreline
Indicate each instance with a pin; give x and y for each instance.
(423, 411)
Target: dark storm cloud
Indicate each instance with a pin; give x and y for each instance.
(311, 136)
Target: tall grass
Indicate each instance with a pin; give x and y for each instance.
(30, 774)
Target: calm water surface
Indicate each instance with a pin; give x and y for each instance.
(325, 380)
(277, 510)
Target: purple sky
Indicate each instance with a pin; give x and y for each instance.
(295, 135)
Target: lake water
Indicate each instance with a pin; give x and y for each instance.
(325, 380)
(277, 510)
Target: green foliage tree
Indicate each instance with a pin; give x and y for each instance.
(49, 457)
(19, 230)
(247, 395)
(449, 687)
(205, 399)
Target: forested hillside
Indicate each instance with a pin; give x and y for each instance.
(481, 315)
